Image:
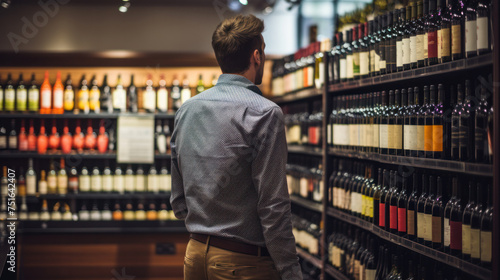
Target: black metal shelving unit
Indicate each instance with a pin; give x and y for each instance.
(318, 207)
(310, 258)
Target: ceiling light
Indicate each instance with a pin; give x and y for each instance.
(124, 7)
(267, 10)
(5, 4)
(244, 2)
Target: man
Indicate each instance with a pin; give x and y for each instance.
(228, 168)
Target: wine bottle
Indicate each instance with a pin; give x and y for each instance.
(162, 95)
(106, 98)
(161, 144)
(186, 90)
(444, 32)
(13, 143)
(42, 184)
(107, 179)
(466, 126)
(200, 87)
(164, 180)
(412, 29)
(383, 222)
(33, 95)
(356, 50)
(337, 53)
(466, 222)
(456, 216)
(62, 179)
(83, 96)
(416, 131)
(73, 181)
(102, 139)
(486, 230)
(119, 96)
(23, 138)
(481, 146)
(428, 217)
(90, 137)
(52, 180)
(402, 206)
(483, 24)
(129, 180)
(152, 181)
(384, 125)
(42, 140)
(455, 121)
(349, 55)
(54, 139)
(94, 96)
(457, 12)
(117, 213)
(342, 58)
(412, 207)
(69, 95)
(421, 220)
(393, 208)
(376, 197)
(21, 184)
(406, 33)
(470, 29)
(84, 180)
(438, 216)
(382, 43)
(96, 180)
(151, 214)
(175, 94)
(391, 39)
(440, 128)
(140, 180)
(130, 98)
(475, 224)
(58, 98)
(30, 179)
(95, 213)
(21, 95)
(118, 181)
(149, 96)
(422, 36)
(433, 24)
(429, 103)
(78, 138)
(10, 94)
(83, 214)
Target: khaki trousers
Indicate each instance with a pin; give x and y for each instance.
(205, 262)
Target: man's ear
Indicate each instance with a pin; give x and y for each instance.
(256, 56)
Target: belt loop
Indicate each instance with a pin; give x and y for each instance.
(259, 251)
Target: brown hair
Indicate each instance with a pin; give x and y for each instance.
(234, 40)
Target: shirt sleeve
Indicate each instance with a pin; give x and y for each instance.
(273, 206)
(177, 198)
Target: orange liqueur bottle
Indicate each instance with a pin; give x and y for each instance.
(45, 95)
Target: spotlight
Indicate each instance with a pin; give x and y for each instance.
(244, 2)
(5, 4)
(268, 10)
(124, 7)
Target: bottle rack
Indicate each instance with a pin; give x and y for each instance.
(327, 153)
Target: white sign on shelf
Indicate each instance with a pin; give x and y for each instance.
(135, 139)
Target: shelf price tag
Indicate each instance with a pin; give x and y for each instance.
(135, 139)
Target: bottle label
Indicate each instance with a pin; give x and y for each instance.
(355, 63)
(370, 207)
(411, 222)
(393, 217)
(83, 99)
(466, 249)
(329, 134)
(33, 99)
(153, 183)
(119, 99)
(439, 43)
(399, 54)
(364, 66)
(437, 138)
(343, 68)
(58, 98)
(406, 53)
(420, 225)
(390, 136)
(349, 66)
(149, 100)
(456, 39)
(10, 98)
(383, 136)
(96, 183)
(377, 62)
(432, 45)
(69, 99)
(436, 230)
(73, 184)
(426, 45)
(402, 219)
(412, 141)
(107, 183)
(22, 98)
(446, 42)
(372, 61)
(52, 183)
(381, 211)
(463, 133)
(94, 99)
(475, 247)
(446, 226)
(84, 183)
(455, 235)
(428, 227)
(370, 274)
(1, 99)
(13, 142)
(482, 33)
(391, 58)
(162, 102)
(428, 138)
(486, 237)
(419, 47)
(31, 185)
(119, 183)
(420, 138)
(397, 136)
(470, 36)
(62, 184)
(413, 49)
(186, 92)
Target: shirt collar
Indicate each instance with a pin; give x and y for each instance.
(238, 80)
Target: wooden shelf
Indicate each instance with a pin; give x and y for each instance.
(445, 165)
(330, 270)
(424, 72)
(301, 94)
(306, 203)
(306, 150)
(480, 272)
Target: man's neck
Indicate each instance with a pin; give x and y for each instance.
(249, 75)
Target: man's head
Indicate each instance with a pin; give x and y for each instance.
(239, 46)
